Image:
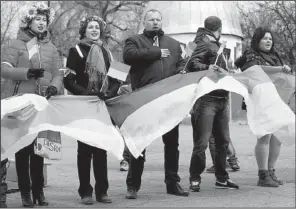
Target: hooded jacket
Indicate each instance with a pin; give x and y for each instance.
(205, 54)
(15, 64)
(145, 60)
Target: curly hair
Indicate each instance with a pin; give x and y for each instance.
(259, 33)
(85, 21)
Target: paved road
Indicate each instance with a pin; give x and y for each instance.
(63, 183)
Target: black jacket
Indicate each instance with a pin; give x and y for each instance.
(77, 84)
(145, 60)
(205, 54)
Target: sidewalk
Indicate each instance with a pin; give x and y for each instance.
(63, 179)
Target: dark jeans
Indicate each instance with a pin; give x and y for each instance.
(230, 151)
(84, 156)
(209, 116)
(126, 154)
(24, 159)
(171, 162)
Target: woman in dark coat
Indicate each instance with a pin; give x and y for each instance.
(88, 63)
(268, 147)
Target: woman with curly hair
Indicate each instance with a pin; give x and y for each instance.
(88, 63)
(27, 72)
(268, 147)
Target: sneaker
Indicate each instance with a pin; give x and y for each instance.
(104, 198)
(273, 176)
(211, 169)
(195, 186)
(87, 200)
(228, 184)
(233, 163)
(131, 194)
(124, 165)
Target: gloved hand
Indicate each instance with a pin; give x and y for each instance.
(103, 96)
(51, 91)
(35, 73)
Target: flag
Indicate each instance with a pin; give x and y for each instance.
(118, 70)
(190, 49)
(147, 113)
(90, 124)
(32, 47)
(221, 48)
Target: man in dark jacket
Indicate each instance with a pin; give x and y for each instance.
(154, 56)
(210, 112)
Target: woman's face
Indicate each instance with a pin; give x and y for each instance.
(39, 23)
(265, 43)
(92, 31)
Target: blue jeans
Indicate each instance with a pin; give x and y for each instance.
(210, 116)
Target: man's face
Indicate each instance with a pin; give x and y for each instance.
(152, 21)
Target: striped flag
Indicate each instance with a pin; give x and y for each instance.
(118, 70)
(90, 124)
(147, 113)
(32, 47)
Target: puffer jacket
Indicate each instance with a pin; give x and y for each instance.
(15, 64)
(145, 60)
(205, 54)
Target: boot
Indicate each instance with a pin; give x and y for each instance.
(176, 189)
(40, 198)
(265, 180)
(27, 200)
(273, 176)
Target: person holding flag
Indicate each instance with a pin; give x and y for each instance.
(267, 149)
(89, 63)
(153, 56)
(30, 64)
(210, 114)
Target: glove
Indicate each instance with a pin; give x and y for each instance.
(35, 73)
(51, 91)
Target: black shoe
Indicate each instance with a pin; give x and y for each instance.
(131, 194)
(176, 189)
(195, 186)
(104, 198)
(40, 198)
(228, 184)
(211, 169)
(27, 200)
(87, 200)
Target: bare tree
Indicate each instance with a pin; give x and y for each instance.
(9, 10)
(280, 17)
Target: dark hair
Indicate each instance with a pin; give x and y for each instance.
(259, 33)
(152, 10)
(83, 26)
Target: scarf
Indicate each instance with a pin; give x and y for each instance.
(95, 67)
(272, 58)
(39, 36)
(154, 35)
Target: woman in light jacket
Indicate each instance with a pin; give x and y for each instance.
(30, 64)
(88, 63)
(268, 147)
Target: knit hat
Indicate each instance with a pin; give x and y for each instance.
(212, 23)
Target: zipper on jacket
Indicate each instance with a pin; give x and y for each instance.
(38, 87)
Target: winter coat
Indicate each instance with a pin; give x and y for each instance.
(205, 54)
(15, 64)
(251, 57)
(145, 60)
(76, 82)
